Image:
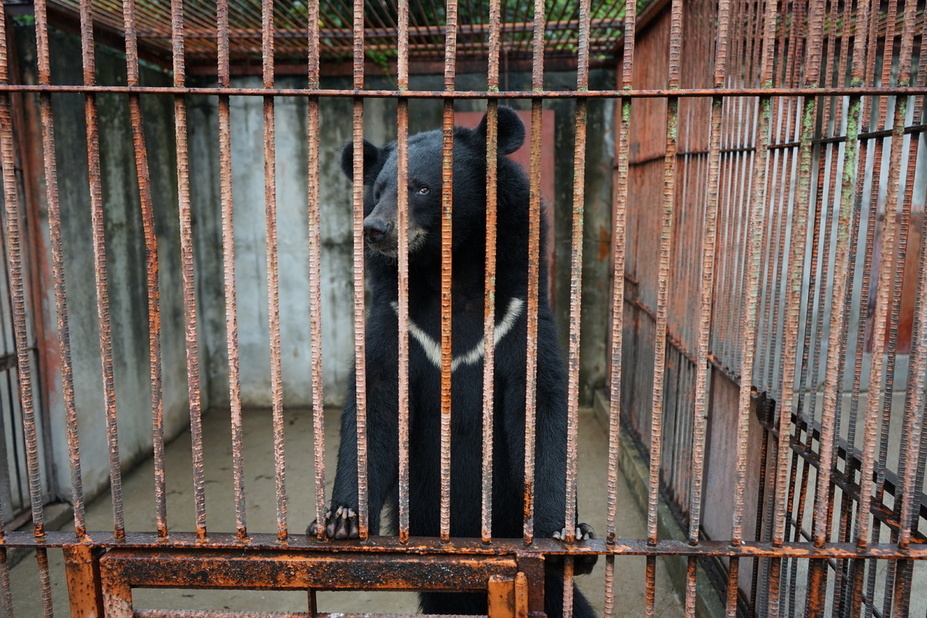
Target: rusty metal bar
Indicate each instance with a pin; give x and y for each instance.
(854, 108)
(151, 267)
(360, 349)
(298, 570)
(709, 236)
(576, 276)
(666, 239)
(402, 224)
(799, 227)
(57, 258)
(786, 129)
(757, 226)
(447, 198)
(912, 460)
(910, 91)
(100, 269)
(13, 226)
(187, 272)
(489, 289)
(849, 194)
(260, 542)
(273, 277)
(82, 566)
(877, 426)
(618, 291)
(228, 264)
(315, 266)
(360, 353)
(199, 613)
(912, 449)
(502, 601)
(576, 273)
(819, 264)
(534, 257)
(890, 582)
(889, 253)
(823, 498)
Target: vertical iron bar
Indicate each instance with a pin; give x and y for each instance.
(534, 257)
(666, 240)
(447, 198)
(151, 267)
(815, 596)
(910, 463)
(489, 293)
(576, 277)
(14, 247)
(228, 264)
(796, 260)
(61, 303)
(576, 267)
(709, 235)
(402, 220)
(187, 271)
(618, 256)
(852, 194)
(795, 265)
(879, 388)
(758, 224)
(896, 576)
(315, 267)
(273, 277)
(842, 579)
(880, 426)
(915, 395)
(914, 404)
(360, 347)
(835, 349)
(100, 269)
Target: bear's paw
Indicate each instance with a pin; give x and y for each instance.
(582, 565)
(339, 525)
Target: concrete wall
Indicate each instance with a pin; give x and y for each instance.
(125, 261)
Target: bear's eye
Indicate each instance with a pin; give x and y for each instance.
(423, 190)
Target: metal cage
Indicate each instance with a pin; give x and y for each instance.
(764, 324)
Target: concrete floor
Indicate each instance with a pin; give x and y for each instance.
(138, 490)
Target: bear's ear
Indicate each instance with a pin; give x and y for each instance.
(373, 161)
(511, 130)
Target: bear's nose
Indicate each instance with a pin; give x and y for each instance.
(376, 230)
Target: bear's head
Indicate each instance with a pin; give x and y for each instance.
(424, 183)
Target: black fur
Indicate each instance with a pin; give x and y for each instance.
(424, 186)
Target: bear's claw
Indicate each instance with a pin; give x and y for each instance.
(582, 565)
(342, 524)
(583, 532)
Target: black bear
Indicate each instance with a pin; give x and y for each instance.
(468, 272)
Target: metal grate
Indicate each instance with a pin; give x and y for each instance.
(425, 26)
(768, 190)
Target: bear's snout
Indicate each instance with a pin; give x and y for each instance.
(376, 230)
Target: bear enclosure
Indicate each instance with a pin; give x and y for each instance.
(735, 196)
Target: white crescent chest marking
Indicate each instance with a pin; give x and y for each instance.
(432, 348)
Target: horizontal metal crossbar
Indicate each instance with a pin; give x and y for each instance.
(476, 94)
(291, 570)
(474, 547)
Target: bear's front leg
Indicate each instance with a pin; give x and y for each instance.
(342, 521)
